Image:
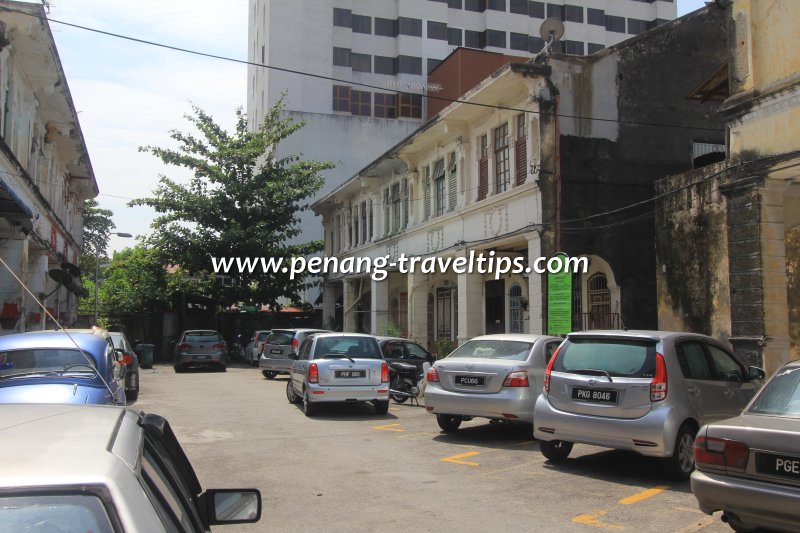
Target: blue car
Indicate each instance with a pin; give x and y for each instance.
(52, 367)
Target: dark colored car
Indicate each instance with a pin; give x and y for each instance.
(397, 350)
(200, 348)
(60, 367)
(280, 350)
(131, 360)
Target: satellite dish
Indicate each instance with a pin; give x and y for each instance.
(551, 29)
(60, 276)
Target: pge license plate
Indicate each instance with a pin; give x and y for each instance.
(592, 395)
(778, 465)
(471, 381)
(350, 373)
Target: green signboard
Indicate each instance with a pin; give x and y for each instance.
(559, 300)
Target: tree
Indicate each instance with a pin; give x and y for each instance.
(241, 201)
(97, 224)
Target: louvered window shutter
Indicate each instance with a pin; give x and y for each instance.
(405, 203)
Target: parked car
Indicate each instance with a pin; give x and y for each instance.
(396, 349)
(113, 469)
(339, 367)
(749, 466)
(200, 347)
(492, 376)
(59, 367)
(131, 360)
(280, 350)
(645, 391)
(253, 349)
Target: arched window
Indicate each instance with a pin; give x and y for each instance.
(515, 309)
(599, 302)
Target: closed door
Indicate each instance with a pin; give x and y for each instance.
(495, 307)
(708, 397)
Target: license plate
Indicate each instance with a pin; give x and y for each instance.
(350, 373)
(276, 351)
(470, 381)
(592, 395)
(201, 357)
(778, 465)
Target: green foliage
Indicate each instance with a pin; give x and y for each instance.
(443, 347)
(97, 224)
(242, 201)
(392, 330)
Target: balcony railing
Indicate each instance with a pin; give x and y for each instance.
(587, 321)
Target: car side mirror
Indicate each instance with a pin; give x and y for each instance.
(755, 372)
(119, 355)
(232, 506)
(119, 371)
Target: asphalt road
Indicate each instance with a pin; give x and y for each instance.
(350, 470)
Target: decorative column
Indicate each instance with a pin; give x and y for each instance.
(470, 306)
(535, 293)
(329, 305)
(379, 306)
(418, 307)
(349, 305)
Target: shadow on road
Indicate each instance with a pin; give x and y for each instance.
(497, 435)
(348, 411)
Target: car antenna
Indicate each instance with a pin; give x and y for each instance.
(59, 326)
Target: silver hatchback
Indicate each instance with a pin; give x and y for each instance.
(645, 391)
(339, 367)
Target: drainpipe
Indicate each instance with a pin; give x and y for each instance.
(558, 174)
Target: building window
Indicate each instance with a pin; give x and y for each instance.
(341, 57)
(361, 62)
(396, 208)
(454, 4)
(535, 44)
(427, 194)
(444, 313)
(361, 24)
(475, 5)
(341, 98)
(519, 41)
(516, 309)
(341, 17)
(406, 200)
(615, 24)
(385, 105)
(502, 171)
(555, 10)
(599, 302)
(409, 65)
(385, 65)
(573, 47)
(410, 105)
(437, 30)
(356, 232)
(363, 212)
(594, 48)
(438, 188)
(637, 26)
(454, 37)
(496, 38)
(521, 150)
(409, 26)
(595, 16)
(518, 6)
(474, 39)
(536, 9)
(386, 27)
(432, 64)
(497, 5)
(371, 223)
(361, 103)
(483, 168)
(452, 169)
(573, 13)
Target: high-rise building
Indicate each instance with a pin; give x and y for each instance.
(356, 70)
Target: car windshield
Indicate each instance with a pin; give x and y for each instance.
(262, 336)
(493, 349)
(120, 342)
(281, 337)
(361, 347)
(78, 512)
(43, 360)
(202, 336)
(615, 357)
(781, 396)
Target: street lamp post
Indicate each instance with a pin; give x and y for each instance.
(97, 269)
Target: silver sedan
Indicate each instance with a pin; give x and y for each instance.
(749, 466)
(493, 376)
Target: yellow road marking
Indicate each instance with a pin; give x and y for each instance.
(698, 524)
(389, 427)
(417, 435)
(457, 459)
(649, 493)
(592, 520)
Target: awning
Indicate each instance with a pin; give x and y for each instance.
(12, 207)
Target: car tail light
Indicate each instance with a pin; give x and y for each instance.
(658, 387)
(433, 376)
(550, 369)
(720, 452)
(295, 344)
(183, 347)
(384, 373)
(127, 359)
(219, 346)
(313, 373)
(517, 379)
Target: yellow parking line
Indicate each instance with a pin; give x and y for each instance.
(457, 459)
(389, 427)
(418, 435)
(649, 493)
(592, 520)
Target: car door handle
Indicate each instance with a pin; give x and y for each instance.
(693, 390)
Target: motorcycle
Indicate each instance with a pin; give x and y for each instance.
(406, 381)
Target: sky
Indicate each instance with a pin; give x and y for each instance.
(130, 95)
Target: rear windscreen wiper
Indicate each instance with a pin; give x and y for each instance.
(593, 371)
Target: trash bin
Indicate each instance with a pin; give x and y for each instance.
(145, 352)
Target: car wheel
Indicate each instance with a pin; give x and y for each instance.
(291, 395)
(133, 395)
(681, 464)
(395, 385)
(555, 450)
(269, 374)
(309, 408)
(178, 369)
(222, 368)
(449, 423)
(381, 407)
(735, 524)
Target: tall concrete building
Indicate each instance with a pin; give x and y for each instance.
(372, 58)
